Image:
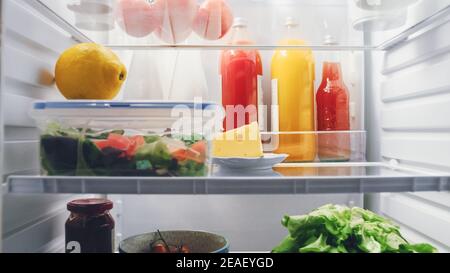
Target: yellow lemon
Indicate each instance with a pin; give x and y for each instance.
(89, 71)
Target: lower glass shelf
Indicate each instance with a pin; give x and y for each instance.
(290, 178)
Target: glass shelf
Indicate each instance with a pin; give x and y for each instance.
(346, 21)
(306, 178)
(248, 47)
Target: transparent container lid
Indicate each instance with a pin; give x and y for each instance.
(117, 108)
(126, 114)
(94, 104)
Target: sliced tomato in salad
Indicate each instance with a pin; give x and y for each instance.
(135, 143)
(179, 154)
(200, 146)
(197, 153)
(102, 144)
(129, 145)
(139, 140)
(119, 142)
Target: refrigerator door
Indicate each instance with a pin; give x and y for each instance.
(30, 47)
(410, 87)
(1, 127)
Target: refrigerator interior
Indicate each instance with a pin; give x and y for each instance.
(399, 97)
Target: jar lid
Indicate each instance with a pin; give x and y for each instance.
(90, 206)
(240, 22)
(290, 22)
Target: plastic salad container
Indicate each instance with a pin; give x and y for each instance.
(95, 138)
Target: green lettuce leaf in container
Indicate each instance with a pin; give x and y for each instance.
(59, 149)
(156, 153)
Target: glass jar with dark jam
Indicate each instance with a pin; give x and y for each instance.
(90, 227)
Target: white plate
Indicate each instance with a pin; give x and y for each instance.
(223, 171)
(265, 162)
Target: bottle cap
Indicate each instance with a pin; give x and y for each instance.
(240, 22)
(290, 22)
(330, 40)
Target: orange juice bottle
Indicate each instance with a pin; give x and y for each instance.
(293, 84)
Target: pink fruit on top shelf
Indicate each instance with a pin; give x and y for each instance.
(178, 19)
(213, 20)
(139, 18)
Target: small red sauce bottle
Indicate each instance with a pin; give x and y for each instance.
(333, 119)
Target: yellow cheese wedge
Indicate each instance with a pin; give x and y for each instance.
(241, 142)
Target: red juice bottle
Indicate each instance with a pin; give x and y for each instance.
(332, 99)
(241, 72)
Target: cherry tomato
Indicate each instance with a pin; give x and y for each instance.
(173, 249)
(159, 248)
(185, 249)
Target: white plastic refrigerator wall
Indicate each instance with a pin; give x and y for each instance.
(30, 46)
(408, 99)
(407, 105)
